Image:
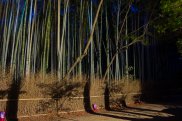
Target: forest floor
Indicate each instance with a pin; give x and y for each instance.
(135, 112)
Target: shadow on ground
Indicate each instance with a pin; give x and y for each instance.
(170, 113)
(59, 92)
(141, 112)
(13, 93)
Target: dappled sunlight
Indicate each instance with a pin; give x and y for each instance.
(142, 112)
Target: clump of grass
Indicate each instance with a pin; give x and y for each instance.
(125, 86)
(60, 92)
(5, 82)
(124, 92)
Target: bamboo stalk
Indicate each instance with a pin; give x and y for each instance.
(88, 43)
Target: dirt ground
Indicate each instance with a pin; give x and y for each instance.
(134, 112)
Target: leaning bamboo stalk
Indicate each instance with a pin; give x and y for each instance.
(79, 59)
(108, 45)
(136, 40)
(120, 49)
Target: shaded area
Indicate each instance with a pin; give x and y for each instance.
(106, 98)
(13, 96)
(59, 92)
(111, 103)
(162, 76)
(3, 93)
(170, 109)
(86, 94)
(170, 113)
(144, 112)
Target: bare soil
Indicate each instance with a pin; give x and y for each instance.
(134, 112)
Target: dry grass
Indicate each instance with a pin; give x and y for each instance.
(38, 93)
(97, 91)
(5, 82)
(47, 94)
(123, 92)
(125, 86)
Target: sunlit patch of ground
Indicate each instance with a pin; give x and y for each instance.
(139, 112)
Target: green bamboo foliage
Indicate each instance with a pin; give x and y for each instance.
(70, 38)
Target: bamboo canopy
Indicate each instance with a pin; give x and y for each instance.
(98, 38)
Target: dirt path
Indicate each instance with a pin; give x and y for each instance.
(140, 112)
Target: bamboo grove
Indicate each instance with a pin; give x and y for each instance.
(49, 36)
